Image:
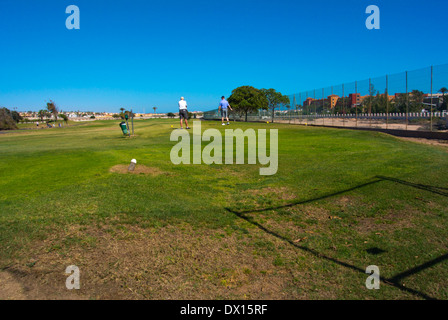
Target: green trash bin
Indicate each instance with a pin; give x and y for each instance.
(124, 128)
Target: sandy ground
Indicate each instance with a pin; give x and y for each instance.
(11, 289)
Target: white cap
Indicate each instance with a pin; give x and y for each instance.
(133, 161)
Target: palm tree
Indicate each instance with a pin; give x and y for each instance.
(42, 114)
(155, 108)
(122, 113)
(51, 107)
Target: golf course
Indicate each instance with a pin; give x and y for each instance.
(341, 201)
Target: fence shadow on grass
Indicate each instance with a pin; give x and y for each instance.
(433, 189)
(395, 280)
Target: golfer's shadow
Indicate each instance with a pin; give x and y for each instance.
(394, 281)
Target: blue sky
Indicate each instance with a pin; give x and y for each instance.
(142, 54)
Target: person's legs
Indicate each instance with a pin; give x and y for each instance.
(224, 115)
(184, 115)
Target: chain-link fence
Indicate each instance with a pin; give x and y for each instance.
(414, 100)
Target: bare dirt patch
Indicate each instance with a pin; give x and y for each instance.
(387, 223)
(139, 169)
(129, 262)
(11, 289)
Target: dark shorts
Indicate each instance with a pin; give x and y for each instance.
(224, 113)
(183, 114)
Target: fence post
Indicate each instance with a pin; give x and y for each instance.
(323, 107)
(387, 102)
(407, 102)
(132, 121)
(333, 108)
(356, 104)
(308, 110)
(343, 106)
(370, 102)
(431, 93)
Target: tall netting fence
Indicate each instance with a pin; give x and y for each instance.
(412, 100)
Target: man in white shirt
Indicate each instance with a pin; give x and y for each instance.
(183, 113)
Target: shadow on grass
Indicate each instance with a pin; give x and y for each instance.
(436, 190)
(395, 280)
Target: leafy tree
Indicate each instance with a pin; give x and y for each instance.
(130, 114)
(342, 105)
(6, 120)
(51, 107)
(444, 100)
(170, 115)
(63, 117)
(400, 102)
(16, 116)
(381, 101)
(246, 99)
(274, 100)
(416, 101)
(43, 114)
(122, 113)
(369, 101)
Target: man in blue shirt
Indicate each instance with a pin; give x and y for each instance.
(223, 105)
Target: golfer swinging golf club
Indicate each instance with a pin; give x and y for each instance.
(183, 113)
(223, 105)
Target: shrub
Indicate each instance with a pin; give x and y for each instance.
(6, 120)
(441, 124)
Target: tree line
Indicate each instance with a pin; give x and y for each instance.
(247, 99)
(9, 119)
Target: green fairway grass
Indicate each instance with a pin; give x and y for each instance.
(342, 200)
